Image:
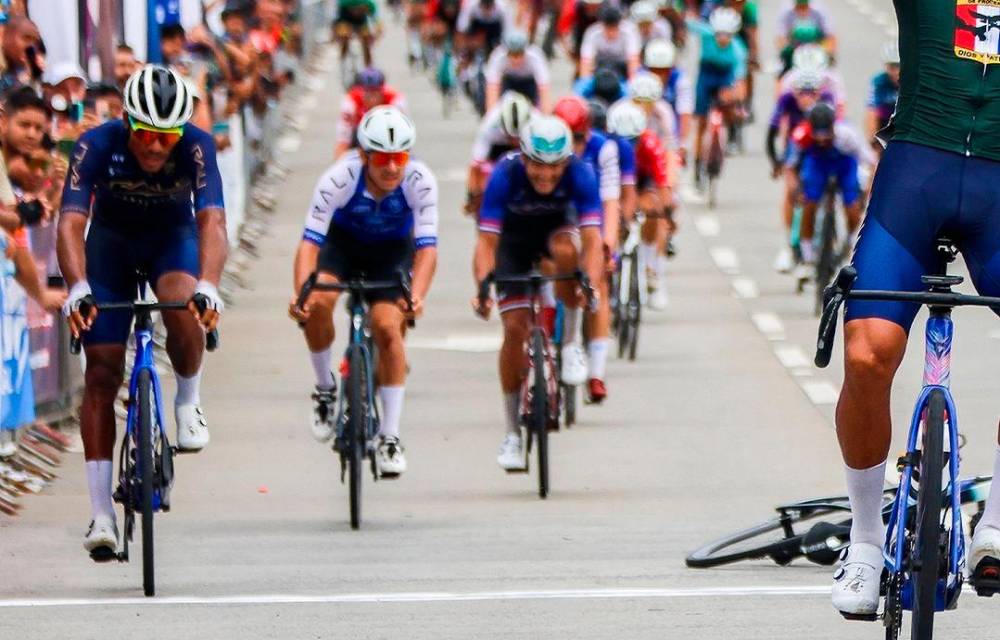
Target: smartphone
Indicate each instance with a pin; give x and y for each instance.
(75, 112)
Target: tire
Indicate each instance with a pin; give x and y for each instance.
(633, 312)
(768, 539)
(357, 417)
(145, 458)
(539, 410)
(825, 263)
(925, 561)
(625, 279)
(569, 405)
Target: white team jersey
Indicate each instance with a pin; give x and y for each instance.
(533, 65)
(611, 172)
(473, 10)
(597, 46)
(660, 30)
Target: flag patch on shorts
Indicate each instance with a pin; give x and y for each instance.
(977, 30)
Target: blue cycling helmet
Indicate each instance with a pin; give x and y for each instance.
(370, 78)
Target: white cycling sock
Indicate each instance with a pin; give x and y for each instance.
(648, 252)
(549, 295)
(392, 409)
(321, 367)
(99, 482)
(571, 320)
(188, 389)
(864, 489)
(808, 250)
(511, 409)
(597, 354)
(991, 517)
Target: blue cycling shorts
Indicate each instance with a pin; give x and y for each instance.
(920, 194)
(112, 260)
(710, 81)
(819, 167)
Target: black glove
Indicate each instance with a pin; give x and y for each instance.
(30, 212)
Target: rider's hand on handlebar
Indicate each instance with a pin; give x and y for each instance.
(413, 310)
(482, 308)
(299, 314)
(206, 304)
(79, 301)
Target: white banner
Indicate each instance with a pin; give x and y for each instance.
(59, 23)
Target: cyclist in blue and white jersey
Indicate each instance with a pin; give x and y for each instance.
(883, 93)
(678, 91)
(149, 188)
(542, 205)
(373, 213)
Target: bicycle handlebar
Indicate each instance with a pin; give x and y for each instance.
(357, 286)
(535, 278)
(842, 289)
(211, 339)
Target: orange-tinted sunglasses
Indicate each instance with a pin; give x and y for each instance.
(383, 158)
(147, 135)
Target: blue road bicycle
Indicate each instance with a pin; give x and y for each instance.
(924, 549)
(146, 457)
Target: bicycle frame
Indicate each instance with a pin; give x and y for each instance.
(359, 339)
(937, 376)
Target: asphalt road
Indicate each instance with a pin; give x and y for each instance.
(721, 418)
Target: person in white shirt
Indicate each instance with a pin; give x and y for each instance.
(651, 26)
(517, 66)
(481, 23)
(611, 42)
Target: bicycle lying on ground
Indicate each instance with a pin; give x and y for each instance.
(925, 548)
(540, 391)
(146, 457)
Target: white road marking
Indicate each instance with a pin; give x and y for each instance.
(769, 324)
(745, 288)
(820, 392)
(725, 259)
(791, 356)
(455, 174)
(431, 596)
(708, 226)
(288, 144)
(467, 343)
(309, 102)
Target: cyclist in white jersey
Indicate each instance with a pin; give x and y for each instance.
(498, 135)
(517, 66)
(612, 41)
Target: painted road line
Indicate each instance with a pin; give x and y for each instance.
(820, 391)
(725, 259)
(471, 343)
(791, 356)
(769, 324)
(455, 174)
(745, 288)
(431, 596)
(288, 144)
(708, 226)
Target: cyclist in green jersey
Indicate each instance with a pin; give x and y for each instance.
(939, 175)
(356, 17)
(803, 23)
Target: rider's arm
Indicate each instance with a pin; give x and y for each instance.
(611, 191)
(210, 209)
(333, 190)
(421, 191)
(540, 70)
(587, 201)
(490, 223)
(84, 163)
(872, 116)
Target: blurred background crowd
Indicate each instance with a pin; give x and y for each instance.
(63, 64)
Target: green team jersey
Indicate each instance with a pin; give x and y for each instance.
(368, 4)
(949, 93)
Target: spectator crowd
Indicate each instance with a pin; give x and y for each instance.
(237, 69)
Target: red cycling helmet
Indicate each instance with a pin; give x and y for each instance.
(573, 110)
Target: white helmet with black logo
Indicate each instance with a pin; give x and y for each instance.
(515, 111)
(386, 129)
(159, 97)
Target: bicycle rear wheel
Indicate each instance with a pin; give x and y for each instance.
(540, 409)
(633, 312)
(145, 464)
(925, 562)
(357, 416)
(779, 539)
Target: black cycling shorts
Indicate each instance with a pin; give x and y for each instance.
(346, 257)
(521, 247)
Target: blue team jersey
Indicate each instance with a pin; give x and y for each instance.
(510, 198)
(882, 96)
(592, 152)
(105, 180)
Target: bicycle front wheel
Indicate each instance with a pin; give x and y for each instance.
(634, 312)
(540, 409)
(925, 562)
(825, 262)
(145, 464)
(357, 412)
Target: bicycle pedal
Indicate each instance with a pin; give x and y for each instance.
(860, 617)
(985, 579)
(516, 472)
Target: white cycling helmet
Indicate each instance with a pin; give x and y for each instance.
(811, 57)
(890, 53)
(725, 20)
(546, 139)
(806, 80)
(515, 41)
(660, 54)
(515, 110)
(626, 119)
(159, 97)
(644, 11)
(386, 129)
(645, 87)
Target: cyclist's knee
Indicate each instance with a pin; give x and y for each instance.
(874, 349)
(563, 247)
(387, 328)
(516, 326)
(105, 372)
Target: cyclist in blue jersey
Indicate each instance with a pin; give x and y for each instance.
(149, 188)
(626, 157)
(883, 93)
(540, 206)
(604, 85)
(601, 154)
(374, 213)
(721, 73)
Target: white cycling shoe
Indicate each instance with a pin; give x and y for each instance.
(511, 456)
(984, 556)
(784, 261)
(857, 581)
(658, 300)
(101, 540)
(324, 414)
(389, 457)
(192, 428)
(574, 365)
